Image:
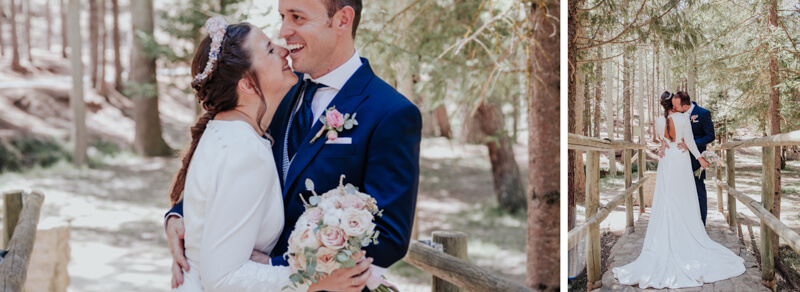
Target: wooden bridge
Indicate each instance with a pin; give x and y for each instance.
(722, 227)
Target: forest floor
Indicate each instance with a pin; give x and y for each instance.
(115, 206)
(748, 180)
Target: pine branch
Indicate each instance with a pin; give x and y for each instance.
(599, 60)
(628, 28)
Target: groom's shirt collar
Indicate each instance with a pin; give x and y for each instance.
(339, 76)
(691, 109)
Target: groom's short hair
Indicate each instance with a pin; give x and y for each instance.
(684, 97)
(336, 5)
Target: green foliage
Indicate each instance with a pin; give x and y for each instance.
(457, 51)
(18, 153)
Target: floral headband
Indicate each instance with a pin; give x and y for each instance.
(215, 27)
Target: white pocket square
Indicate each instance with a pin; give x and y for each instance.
(341, 140)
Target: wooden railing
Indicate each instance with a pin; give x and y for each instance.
(449, 267)
(763, 209)
(595, 214)
(20, 218)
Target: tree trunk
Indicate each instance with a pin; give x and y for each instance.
(576, 178)
(3, 19)
(598, 96)
(443, 121)
(117, 56)
(101, 79)
(543, 248)
(508, 184)
(691, 78)
(79, 135)
(627, 94)
(15, 66)
(49, 24)
(64, 34)
(148, 139)
(93, 36)
(774, 114)
(612, 158)
(28, 29)
(587, 108)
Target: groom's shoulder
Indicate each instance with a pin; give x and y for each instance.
(702, 110)
(386, 96)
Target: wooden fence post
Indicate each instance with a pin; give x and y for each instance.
(720, 206)
(12, 206)
(642, 166)
(767, 198)
(626, 154)
(593, 265)
(730, 162)
(455, 244)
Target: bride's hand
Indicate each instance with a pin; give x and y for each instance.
(346, 279)
(259, 257)
(703, 162)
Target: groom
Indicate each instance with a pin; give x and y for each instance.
(380, 155)
(703, 131)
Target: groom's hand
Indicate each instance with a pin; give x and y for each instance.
(175, 232)
(663, 149)
(682, 146)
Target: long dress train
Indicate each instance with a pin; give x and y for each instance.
(677, 251)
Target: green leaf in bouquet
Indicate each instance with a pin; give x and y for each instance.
(309, 184)
(349, 263)
(312, 268)
(314, 200)
(339, 128)
(346, 116)
(348, 124)
(342, 257)
(365, 242)
(350, 189)
(348, 252)
(323, 119)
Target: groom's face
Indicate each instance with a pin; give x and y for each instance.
(308, 33)
(676, 104)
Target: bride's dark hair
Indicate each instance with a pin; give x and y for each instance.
(666, 102)
(217, 92)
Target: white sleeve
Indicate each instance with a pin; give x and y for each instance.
(233, 217)
(688, 139)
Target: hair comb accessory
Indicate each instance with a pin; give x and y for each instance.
(215, 27)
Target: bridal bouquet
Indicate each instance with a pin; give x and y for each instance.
(331, 232)
(712, 159)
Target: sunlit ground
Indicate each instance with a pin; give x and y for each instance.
(115, 210)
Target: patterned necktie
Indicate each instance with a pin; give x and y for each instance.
(303, 119)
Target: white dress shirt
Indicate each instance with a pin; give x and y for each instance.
(334, 81)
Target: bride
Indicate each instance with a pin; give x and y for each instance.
(677, 251)
(233, 202)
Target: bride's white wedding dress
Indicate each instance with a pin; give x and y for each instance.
(677, 251)
(232, 205)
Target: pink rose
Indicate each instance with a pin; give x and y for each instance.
(297, 262)
(302, 238)
(334, 119)
(355, 222)
(351, 201)
(332, 135)
(332, 237)
(326, 260)
(314, 215)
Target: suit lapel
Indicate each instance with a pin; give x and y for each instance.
(346, 101)
(277, 128)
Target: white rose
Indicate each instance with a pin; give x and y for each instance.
(356, 221)
(333, 217)
(329, 203)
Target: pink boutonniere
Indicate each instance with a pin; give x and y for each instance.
(334, 122)
(694, 118)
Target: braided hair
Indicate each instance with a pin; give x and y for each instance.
(217, 91)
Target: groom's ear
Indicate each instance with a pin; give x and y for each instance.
(343, 19)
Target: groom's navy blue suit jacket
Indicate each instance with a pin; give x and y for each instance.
(382, 160)
(703, 131)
